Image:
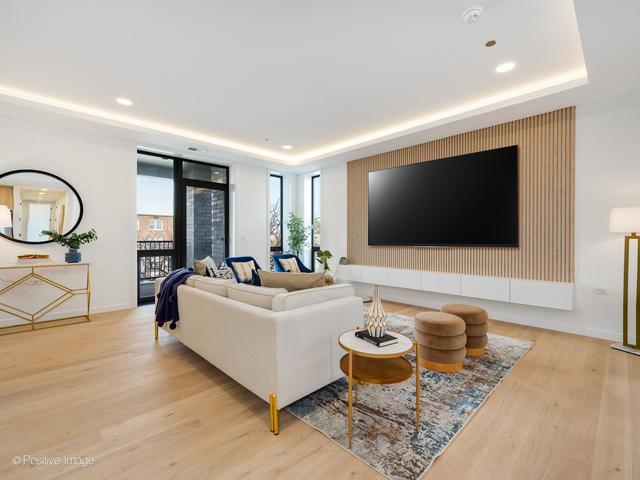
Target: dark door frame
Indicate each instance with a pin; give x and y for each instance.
(180, 184)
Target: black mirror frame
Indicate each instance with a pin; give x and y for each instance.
(13, 172)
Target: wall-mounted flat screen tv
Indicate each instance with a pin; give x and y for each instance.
(467, 200)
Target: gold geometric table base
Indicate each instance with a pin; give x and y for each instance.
(32, 318)
(624, 348)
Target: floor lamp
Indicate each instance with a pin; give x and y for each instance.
(627, 220)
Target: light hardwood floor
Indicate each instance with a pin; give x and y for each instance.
(144, 409)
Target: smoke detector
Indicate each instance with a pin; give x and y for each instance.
(472, 14)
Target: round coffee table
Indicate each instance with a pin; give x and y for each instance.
(367, 363)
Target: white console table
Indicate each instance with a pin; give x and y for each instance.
(555, 295)
(37, 295)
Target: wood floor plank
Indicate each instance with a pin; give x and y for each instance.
(105, 389)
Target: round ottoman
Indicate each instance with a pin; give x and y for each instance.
(441, 341)
(475, 319)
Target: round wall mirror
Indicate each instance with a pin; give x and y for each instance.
(32, 201)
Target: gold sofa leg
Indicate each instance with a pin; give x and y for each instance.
(273, 413)
(155, 324)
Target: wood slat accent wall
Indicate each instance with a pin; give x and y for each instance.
(546, 190)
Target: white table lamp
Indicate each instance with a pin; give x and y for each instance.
(5, 217)
(627, 220)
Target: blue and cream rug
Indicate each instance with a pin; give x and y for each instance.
(384, 432)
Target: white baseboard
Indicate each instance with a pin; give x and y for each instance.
(113, 308)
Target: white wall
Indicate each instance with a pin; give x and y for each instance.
(333, 211)
(250, 233)
(607, 176)
(103, 171)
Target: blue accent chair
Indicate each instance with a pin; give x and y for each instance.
(279, 256)
(230, 260)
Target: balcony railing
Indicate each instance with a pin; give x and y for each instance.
(155, 244)
(154, 267)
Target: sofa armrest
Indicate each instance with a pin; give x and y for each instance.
(306, 355)
(235, 337)
(156, 287)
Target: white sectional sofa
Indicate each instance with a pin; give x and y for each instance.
(282, 346)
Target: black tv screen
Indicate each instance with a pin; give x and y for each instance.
(467, 200)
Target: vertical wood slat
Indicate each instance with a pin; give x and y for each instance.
(546, 203)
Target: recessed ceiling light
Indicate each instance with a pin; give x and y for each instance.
(505, 67)
(287, 147)
(44, 189)
(490, 43)
(124, 101)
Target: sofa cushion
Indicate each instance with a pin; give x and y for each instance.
(217, 286)
(256, 296)
(291, 281)
(302, 298)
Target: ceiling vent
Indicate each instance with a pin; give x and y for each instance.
(472, 14)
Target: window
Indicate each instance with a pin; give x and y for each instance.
(156, 225)
(275, 216)
(315, 219)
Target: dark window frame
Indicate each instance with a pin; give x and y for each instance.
(179, 252)
(273, 249)
(314, 248)
(281, 246)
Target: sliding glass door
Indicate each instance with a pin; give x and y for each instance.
(190, 219)
(155, 241)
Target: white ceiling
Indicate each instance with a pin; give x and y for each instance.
(327, 77)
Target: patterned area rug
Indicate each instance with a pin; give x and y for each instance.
(384, 432)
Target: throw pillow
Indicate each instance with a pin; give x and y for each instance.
(291, 281)
(202, 267)
(290, 265)
(199, 268)
(224, 272)
(244, 270)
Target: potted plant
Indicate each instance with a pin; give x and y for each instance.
(298, 234)
(323, 257)
(73, 242)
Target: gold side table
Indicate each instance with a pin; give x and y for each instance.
(366, 363)
(33, 275)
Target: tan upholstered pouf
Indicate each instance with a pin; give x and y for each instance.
(471, 315)
(475, 319)
(441, 341)
(439, 323)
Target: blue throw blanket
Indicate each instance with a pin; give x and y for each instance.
(167, 304)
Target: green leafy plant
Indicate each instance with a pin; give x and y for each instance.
(298, 234)
(73, 240)
(323, 257)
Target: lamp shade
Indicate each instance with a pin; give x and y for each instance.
(624, 220)
(5, 216)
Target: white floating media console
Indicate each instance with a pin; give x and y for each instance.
(556, 295)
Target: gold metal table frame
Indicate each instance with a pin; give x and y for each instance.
(66, 294)
(379, 368)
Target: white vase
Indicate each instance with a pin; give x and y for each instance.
(376, 316)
